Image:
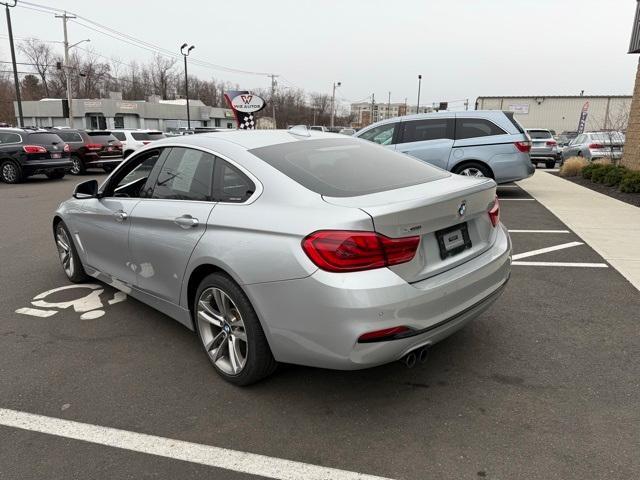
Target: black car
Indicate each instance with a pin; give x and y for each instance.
(91, 149)
(28, 152)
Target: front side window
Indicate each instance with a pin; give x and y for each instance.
(476, 127)
(382, 135)
(187, 174)
(422, 130)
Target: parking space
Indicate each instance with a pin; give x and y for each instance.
(543, 385)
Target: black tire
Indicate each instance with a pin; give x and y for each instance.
(127, 153)
(550, 164)
(473, 166)
(10, 172)
(78, 167)
(77, 275)
(259, 361)
(56, 174)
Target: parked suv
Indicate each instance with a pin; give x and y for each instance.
(132, 140)
(91, 149)
(593, 145)
(481, 143)
(544, 148)
(26, 152)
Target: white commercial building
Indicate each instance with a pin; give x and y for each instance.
(381, 111)
(562, 113)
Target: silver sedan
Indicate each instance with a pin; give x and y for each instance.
(291, 246)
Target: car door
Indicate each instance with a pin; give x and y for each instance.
(429, 140)
(385, 134)
(102, 224)
(166, 227)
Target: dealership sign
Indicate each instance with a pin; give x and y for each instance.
(247, 103)
(583, 117)
(522, 108)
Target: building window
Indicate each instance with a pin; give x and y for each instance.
(229, 125)
(216, 122)
(118, 121)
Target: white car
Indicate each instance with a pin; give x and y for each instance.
(132, 140)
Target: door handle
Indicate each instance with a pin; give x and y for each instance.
(120, 215)
(186, 221)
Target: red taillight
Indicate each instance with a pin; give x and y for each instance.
(34, 149)
(551, 143)
(66, 148)
(381, 335)
(523, 146)
(596, 146)
(93, 146)
(494, 212)
(351, 251)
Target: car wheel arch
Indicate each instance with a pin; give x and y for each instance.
(467, 161)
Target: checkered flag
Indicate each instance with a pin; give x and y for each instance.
(247, 122)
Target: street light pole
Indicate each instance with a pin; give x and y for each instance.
(419, 84)
(333, 102)
(389, 106)
(186, 79)
(13, 61)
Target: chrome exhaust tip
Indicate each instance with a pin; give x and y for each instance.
(423, 354)
(410, 360)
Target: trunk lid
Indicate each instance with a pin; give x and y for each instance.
(51, 142)
(432, 211)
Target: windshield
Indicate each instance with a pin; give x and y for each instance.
(346, 167)
(44, 138)
(102, 137)
(539, 134)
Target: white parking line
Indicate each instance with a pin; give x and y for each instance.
(36, 312)
(539, 231)
(546, 250)
(561, 264)
(234, 460)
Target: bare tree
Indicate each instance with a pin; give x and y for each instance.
(42, 57)
(162, 75)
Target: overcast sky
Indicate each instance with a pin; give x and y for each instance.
(462, 48)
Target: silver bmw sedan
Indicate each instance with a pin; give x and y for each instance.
(291, 246)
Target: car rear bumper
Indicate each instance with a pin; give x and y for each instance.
(317, 320)
(511, 167)
(33, 167)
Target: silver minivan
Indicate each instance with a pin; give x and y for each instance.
(480, 143)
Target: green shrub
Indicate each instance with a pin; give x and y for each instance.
(630, 182)
(598, 174)
(614, 176)
(589, 169)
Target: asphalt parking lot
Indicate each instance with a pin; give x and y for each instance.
(544, 385)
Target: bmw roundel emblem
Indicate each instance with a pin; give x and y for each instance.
(462, 208)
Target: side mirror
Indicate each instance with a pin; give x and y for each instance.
(88, 189)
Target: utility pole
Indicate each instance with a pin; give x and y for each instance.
(333, 102)
(273, 97)
(389, 106)
(13, 61)
(67, 67)
(186, 79)
(419, 84)
(373, 102)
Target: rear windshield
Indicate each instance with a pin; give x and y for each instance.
(537, 134)
(147, 135)
(346, 167)
(70, 136)
(44, 138)
(102, 137)
(615, 137)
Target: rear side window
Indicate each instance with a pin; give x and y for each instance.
(120, 136)
(187, 174)
(513, 120)
(476, 127)
(422, 130)
(70, 137)
(539, 134)
(44, 138)
(148, 136)
(235, 186)
(9, 138)
(382, 135)
(346, 167)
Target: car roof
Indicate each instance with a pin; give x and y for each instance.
(539, 129)
(490, 114)
(248, 139)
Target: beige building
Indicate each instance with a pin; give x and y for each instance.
(562, 113)
(381, 111)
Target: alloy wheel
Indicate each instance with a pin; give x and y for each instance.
(222, 331)
(9, 172)
(64, 251)
(75, 168)
(472, 172)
